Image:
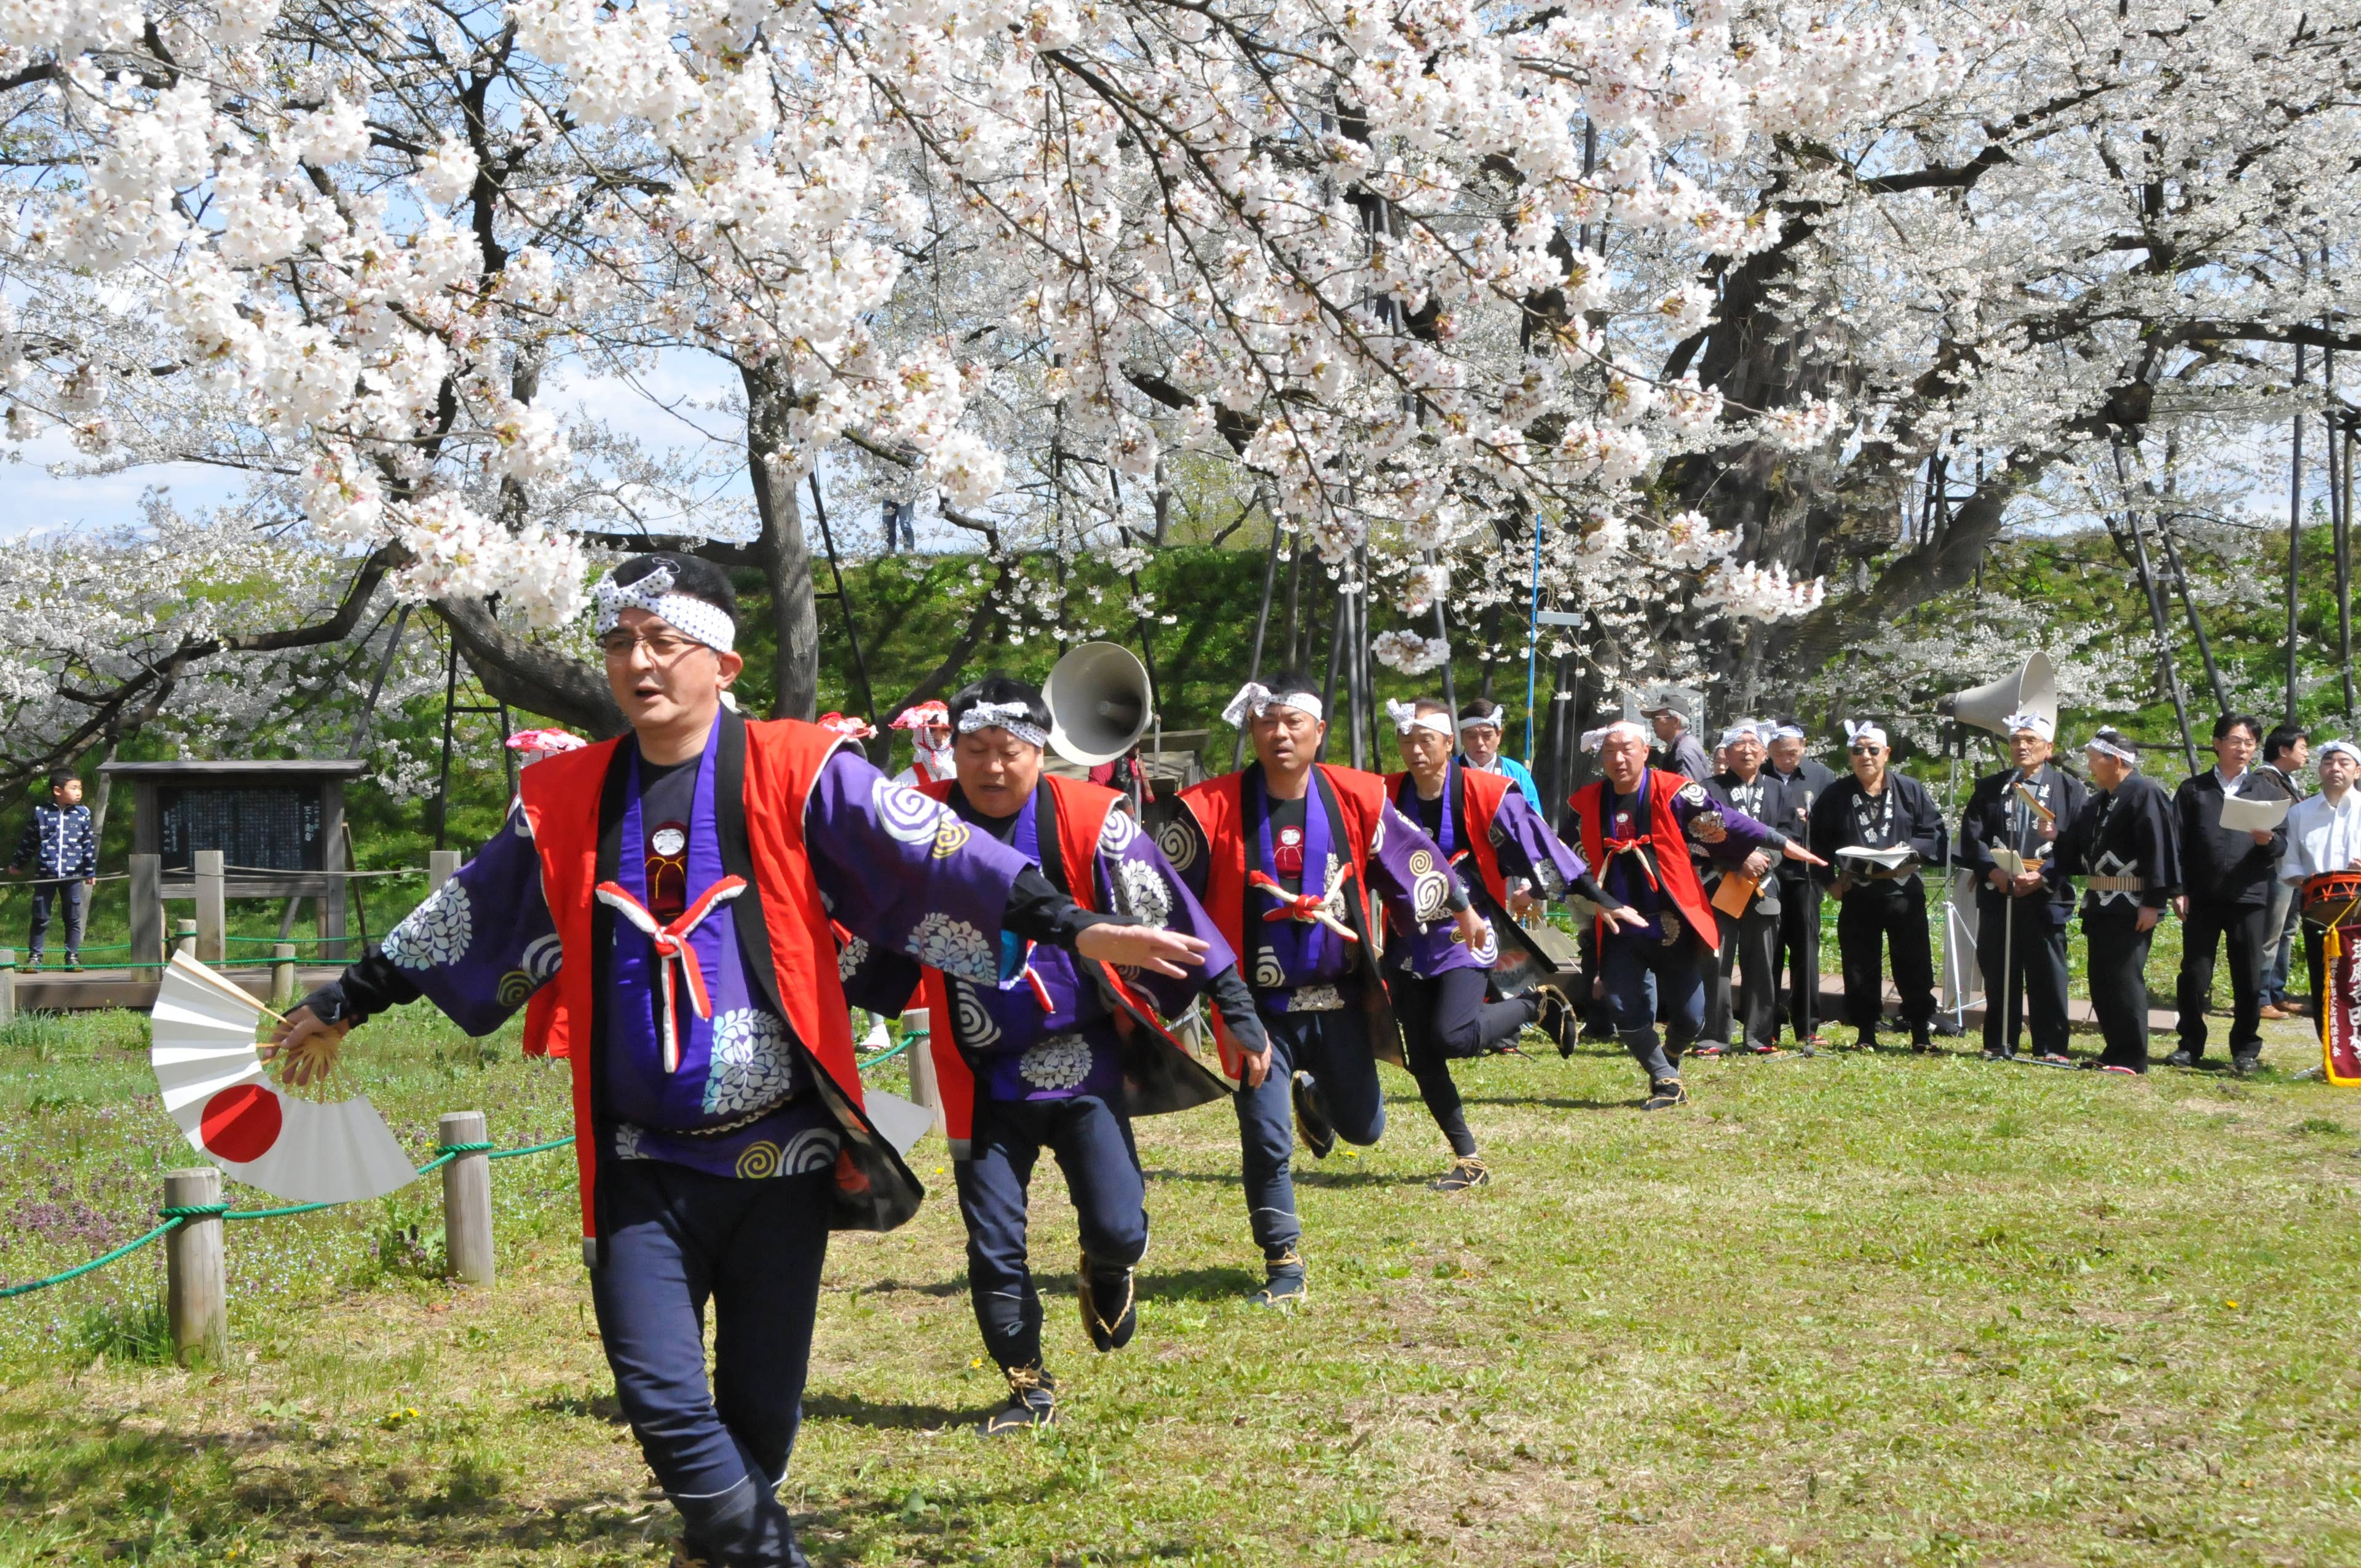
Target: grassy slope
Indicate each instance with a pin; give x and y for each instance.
(1841, 1311)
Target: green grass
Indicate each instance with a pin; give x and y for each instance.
(1840, 1310)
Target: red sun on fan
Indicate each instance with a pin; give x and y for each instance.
(241, 1123)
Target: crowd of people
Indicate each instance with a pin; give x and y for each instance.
(696, 908)
(2028, 834)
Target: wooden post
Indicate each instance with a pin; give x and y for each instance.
(188, 939)
(212, 907)
(442, 865)
(196, 1294)
(7, 984)
(921, 1058)
(467, 1199)
(146, 909)
(282, 975)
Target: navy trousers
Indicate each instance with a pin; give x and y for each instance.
(75, 899)
(1642, 970)
(677, 1238)
(1333, 1047)
(1447, 1019)
(1092, 1142)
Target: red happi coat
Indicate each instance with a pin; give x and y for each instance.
(1674, 871)
(767, 769)
(1479, 797)
(1354, 802)
(1159, 1072)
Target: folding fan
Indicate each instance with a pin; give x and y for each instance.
(214, 1088)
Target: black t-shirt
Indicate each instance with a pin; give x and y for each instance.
(1286, 842)
(1429, 814)
(667, 802)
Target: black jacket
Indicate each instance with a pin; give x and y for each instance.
(1767, 802)
(1992, 815)
(1811, 780)
(2225, 869)
(1836, 824)
(2127, 831)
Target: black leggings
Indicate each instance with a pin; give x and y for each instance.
(1447, 1017)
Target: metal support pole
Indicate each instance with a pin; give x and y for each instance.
(2295, 538)
(442, 865)
(467, 1199)
(1534, 632)
(1262, 625)
(443, 779)
(1450, 687)
(196, 1280)
(1339, 632)
(212, 907)
(2155, 596)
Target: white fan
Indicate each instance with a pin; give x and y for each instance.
(214, 1088)
(902, 1122)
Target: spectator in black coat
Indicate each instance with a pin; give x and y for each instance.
(2226, 878)
(1806, 780)
(1880, 809)
(2021, 917)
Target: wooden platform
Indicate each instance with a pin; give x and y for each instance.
(60, 991)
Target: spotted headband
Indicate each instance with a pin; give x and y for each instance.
(1016, 718)
(2112, 743)
(1255, 699)
(1488, 718)
(1407, 717)
(692, 617)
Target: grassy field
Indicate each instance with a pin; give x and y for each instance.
(1839, 1310)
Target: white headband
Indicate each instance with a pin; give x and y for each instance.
(1594, 739)
(692, 617)
(1490, 720)
(1255, 698)
(1788, 733)
(1407, 717)
(2347, 747)
(2045, 728)
(1013, 716)
(2107, 748)
(1736, 732)
(1864, 731)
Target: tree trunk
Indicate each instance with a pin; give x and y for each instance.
(529, 676)
(781, 553)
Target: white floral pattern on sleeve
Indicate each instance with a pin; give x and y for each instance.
(954, 946)
(437, 932)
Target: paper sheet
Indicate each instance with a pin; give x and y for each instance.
(2240, 815)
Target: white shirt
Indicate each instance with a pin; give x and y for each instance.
(2230, 785)
(2322, 837)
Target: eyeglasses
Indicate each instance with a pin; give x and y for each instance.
(663, 648)
(1866, 751)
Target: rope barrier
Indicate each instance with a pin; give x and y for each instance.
(177, 1216)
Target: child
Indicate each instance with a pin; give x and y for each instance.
(62, 849)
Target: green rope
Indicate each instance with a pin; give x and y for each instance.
(80, 1269)
(888, 1054)
(535, 1148)
(177, 1214)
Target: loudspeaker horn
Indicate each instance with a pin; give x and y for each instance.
(2032, 689)
(1100, 703)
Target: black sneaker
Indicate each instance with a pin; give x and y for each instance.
(1664, 1093)
(1466, 1171)
(1032, 1403)
(1284, 1285)
(2246, 1067)
(1995, 1056)
(1922, 1044)
(1109, 1307)
(1557, 1020)
(1319, 1137)
(2181, 1058)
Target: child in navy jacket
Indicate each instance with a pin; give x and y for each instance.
(60, 846)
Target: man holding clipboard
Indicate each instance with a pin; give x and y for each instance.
(2232, 834)
(1874, 829)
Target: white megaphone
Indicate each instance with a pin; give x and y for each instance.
(1100, 703)
(2032, 689)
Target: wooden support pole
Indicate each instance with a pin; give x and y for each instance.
(282, 975)
(921, 1058)
(7, 984)
(467, 1199)
(442, 865)
(188, 939)
(148, 909)
(212, 907)
(196, 1281)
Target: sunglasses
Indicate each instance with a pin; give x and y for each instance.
(1865, 749)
